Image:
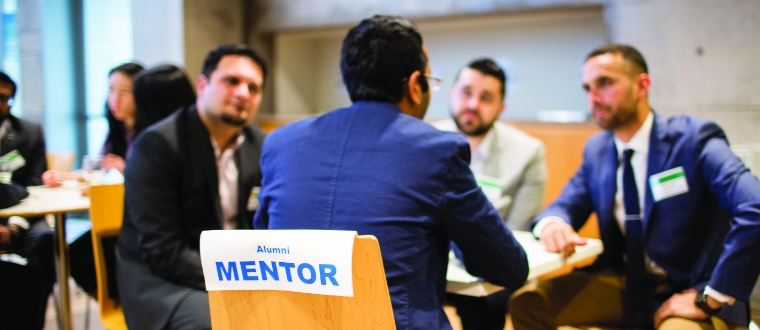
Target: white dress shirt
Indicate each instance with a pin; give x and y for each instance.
(227, 170)
(480, 155)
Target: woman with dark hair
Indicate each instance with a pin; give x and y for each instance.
(121, 115)
(158, 93)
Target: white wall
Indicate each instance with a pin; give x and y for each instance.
(541, 51)
(158, 32)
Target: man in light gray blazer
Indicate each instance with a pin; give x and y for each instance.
(503, 157)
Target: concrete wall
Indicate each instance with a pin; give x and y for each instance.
(702, 54)
(158, 34)
(209, 23)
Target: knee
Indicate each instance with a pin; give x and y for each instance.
(524, 301)
(39, 238)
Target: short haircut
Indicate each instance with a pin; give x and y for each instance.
(488, 67)
(216, 55)
(5, 79)
(377, 57)
(631, 55)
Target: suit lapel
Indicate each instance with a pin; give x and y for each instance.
(608, 181)
(659, 150)
(248, 170)
(201, 151)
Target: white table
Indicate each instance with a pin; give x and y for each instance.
(58, 202)
(540, 262)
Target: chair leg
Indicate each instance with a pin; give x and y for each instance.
(87, 312)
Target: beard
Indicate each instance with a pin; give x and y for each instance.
(233, 121)
(468, 128)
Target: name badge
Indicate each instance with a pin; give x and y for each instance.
(253, 199)
(668, 184)
(11, 161)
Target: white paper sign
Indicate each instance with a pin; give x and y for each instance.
(309, 261)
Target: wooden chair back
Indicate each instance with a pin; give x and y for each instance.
(106, 212)
(369, 308)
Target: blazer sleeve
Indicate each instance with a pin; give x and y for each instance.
(574, 204)
(154, 206)
(738, 191)
(489, 250)
(11, 194)
(527, 200)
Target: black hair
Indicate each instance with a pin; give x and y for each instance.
(5, 79)
(159, 92)
(488, 67)
(116, 142)
(630, 55)
(377, 57)
(216, 54)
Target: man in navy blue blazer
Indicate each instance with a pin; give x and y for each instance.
(679, 216)
(377, 168)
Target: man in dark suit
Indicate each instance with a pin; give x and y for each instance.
(678, 213)
(377, 168)
(191, 172)
(25, 140)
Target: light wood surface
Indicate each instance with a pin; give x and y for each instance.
(46, 200)
(370, 308)
(106, 212)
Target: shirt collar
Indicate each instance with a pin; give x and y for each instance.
(484, 148)
(640, 141)
(234, 146)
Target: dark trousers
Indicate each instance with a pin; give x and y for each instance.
(483, 313)
(27, 288)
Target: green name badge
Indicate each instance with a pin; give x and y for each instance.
(668, 184)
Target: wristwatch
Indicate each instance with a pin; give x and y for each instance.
(701, 302)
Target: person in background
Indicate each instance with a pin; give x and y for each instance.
(679, 216)
(159, 92)
(33, 236)
(194, 171)
(375, 167)
(120, 114)
(502, 155)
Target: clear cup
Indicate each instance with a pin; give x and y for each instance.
(91, 170)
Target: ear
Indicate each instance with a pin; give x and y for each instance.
(201, 84)
(503, 107)
(642, 83)
(413, 88)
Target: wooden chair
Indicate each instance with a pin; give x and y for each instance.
(369, 308)
(61, 161)
(106, 212)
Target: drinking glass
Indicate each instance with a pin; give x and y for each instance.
(91, 169)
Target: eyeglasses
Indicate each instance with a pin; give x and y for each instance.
(6, 100)
(435, 82)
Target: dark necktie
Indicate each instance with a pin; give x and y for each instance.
(638, 302)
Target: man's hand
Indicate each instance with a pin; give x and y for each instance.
(682, 305)
(112, 161)
(560, 237)
(53, 178)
